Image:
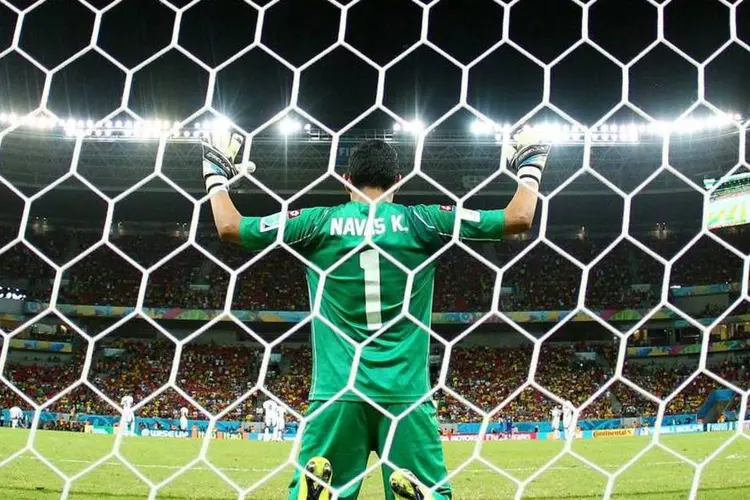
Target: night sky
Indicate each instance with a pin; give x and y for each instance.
(505, 85)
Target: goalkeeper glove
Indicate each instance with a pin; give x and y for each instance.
(219, 154)
(529, 157)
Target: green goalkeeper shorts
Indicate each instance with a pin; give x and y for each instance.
(346, 432)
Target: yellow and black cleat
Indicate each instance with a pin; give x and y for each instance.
(310, 489)
(406, 487)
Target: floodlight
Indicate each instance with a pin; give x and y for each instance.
(415, 126)
(480, 127)
(289, 126)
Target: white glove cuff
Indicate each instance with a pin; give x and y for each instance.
(530, 174)
(216, 182)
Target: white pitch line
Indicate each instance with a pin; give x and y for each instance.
(472, 471)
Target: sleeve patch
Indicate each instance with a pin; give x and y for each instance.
(469, 215)
(447, 208)
(270, 222)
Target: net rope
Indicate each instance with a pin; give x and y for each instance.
(202, 459)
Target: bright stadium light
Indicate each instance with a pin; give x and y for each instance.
(719, 121)
(551, 132)
(481, 127)
(415, 126)
(44, 122)
(687, 126)
(221, 123)
(154, 128)
(289, 126)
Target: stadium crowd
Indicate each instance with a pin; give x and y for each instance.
(542, 279)
(215, 376)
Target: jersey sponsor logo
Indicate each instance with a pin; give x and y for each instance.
(447, 208)
(351, 226)
(294, 213)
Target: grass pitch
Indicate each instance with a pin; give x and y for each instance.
(657, 475)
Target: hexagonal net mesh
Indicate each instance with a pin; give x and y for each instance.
(132, 127)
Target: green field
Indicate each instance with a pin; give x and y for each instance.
(657, 475)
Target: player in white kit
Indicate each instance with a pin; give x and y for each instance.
(556, 411)
(568, 418)
(269, 418)
(127, 423)
(183, 419)
(279, 424)
(16, 417)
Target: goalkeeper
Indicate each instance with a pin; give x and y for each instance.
(359, 296)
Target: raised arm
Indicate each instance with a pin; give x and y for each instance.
(254, 233)
(519, 213)
(528, 160)
(226, 216)
(218, 168)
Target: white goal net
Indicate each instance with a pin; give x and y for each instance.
(125, 124)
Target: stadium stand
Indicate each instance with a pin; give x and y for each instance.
(542, 280)
(217, 375)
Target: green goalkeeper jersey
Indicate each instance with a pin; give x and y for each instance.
(364, 292)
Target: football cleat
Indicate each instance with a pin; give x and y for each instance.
(310, 489)
(406, 487)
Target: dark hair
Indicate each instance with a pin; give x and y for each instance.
(373, 164)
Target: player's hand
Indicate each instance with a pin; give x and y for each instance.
(529, 156)
(220, 151)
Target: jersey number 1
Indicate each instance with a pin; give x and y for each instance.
(369, 261)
